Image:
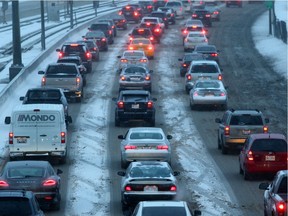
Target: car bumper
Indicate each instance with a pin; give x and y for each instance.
(234, 143)
(135, 197)
(149, 155)
(271, 167)
(122, 116)
(135, 85)
(72, 94)
(209, 100)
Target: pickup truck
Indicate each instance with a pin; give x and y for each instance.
(275, 195)
(66, 76)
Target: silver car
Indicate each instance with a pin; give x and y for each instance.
(132, 57)
(145, 143)
(147, 180)
(203, 70)
(208, 92)
(135, 77)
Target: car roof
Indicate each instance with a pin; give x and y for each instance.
(146, 129)
(197, 62)
(245, 111)
(16, 193)
(268, 136)
(33, 163)
(163, 203)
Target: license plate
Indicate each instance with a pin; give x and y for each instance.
(151, 188)
(127, 13)
(246, 132)
(270, 158)
(135, 106)
(204, 77)
(135, 79)
(22, 140)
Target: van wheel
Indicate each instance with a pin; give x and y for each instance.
(63, 160)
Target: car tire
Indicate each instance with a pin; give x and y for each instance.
(219, 143)
(224, 149)
(247, 175)
(63, 160)
(124, 164)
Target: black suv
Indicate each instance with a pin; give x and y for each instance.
(236, 125)
(111, 22)
(19, 203)
(106, 28)
(134, 105)
(131, 13)
(203, 15)
(77, 49)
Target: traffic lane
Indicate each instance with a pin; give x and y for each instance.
(246, 74)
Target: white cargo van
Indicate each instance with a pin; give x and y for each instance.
(38, 130)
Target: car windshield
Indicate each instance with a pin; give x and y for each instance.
(167, 211)
(133, 70)
(151, 171)
(205, 68)
(246, 120)
(207, 85)
(16, 206)
(44, 95)
(269, 145)
(61, 70)
(148, 135)
(23, 172)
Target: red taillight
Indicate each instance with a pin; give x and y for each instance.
(216, 12)
(48, 198)
(129, 147)
(78, 80)
(222, 94)
(147, 78)
(151, 38)
(63, 140)
(162, 147)
(214, 54)
(150, 104)
(181, 8)
(135, 13)
(185, 32)
(189, 77)
(265, 129)
(250, 156)
(220, 77)
(184, 65)
(49, 182)
(194, 15)
(103, 39)
(130, 39)
(173, 188)
(11, 138)
(120, 12)
(123, 78)
(131, 47)
(148, 24)
(157, 30)
(128, 7)
(128, 188)
(195, 93)
(120, 104)
(281, 207)
(110, 32)
(3, 184)
(88, 55)
(149, 6)
(150, 48)
(124, 60)
(143, 60)
(43, 81)
(60, 54)
(227, 130)
(207, 15)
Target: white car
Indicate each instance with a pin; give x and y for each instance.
(208, 93)
(137, 57)
(178, 7)
(154, 20)
(193, 39)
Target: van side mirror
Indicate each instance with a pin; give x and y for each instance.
(57, 50)
(59, 171)
(41, 72)
(7, 120)
(120, 137)
(21, 98)
(169, 137)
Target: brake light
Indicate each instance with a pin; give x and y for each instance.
(63, 137)
(11, 138)
(216, 12)
(74, 45)
(131, 47)
(149, 6)
(265, 129)
(120, 104)
(184, 65)
(128, 188)
(173, 188)
(220, 77)
(110, 32)
(147, 78)
(194, 15)
(120, 12)
(88, 55)
(250, 156)
(195, 93)
(189, 77)
(162, 147)
(131, 38)
(207, 15)
(60, 54)
(129, 147)
(185, 32)
(49, 182)
(78, 80)
(281, 207)
(150, 104)
(157, 30)
(128, 7)
(181, 8)
(151, 38)
(3, 184)
(143, 60)
(227, 130)
(135, 13)
(214, 54)
(150, 48)
(148, 24)
(222, 94)
(43, 81)
(48, 198)
(103, 39)
(194, 27)
(140, 30)
(123, 78)
(124, 60)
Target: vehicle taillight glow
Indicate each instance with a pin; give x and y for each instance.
(60, 54)
(250, 156)
(120, 104)
(184, 65)
(173, 188)
(48, 198)
(43, 81)
(194, 15)
(281, 207)
(222, 94)
(128, 7)
(11, 135)
(150, 48)
(129, 147)
(181, 9)
(135, 13)
(265, 129)
(63, 137)
(123, 78)
(130, 39)
(189, 77)
(110, 32)
(151, 38)
(124, 60)
(157, 30)
(103, 39)
(88, 55)
(207, 15)
(214, 54)
(143, 60)
(131, 47)
(3, 184)
(162, 147)
(216, 12)
(150, 104)
(120, 12)
(227, 130)
(195, 93)
(148, 24)
(49, 182)
(185, 32)
(149, 7)
(78, 80)
(147, 78)
(220, 77)
(128, 188)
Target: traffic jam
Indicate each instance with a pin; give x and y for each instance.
(151, 181)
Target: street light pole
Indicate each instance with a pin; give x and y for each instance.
(71, 14)
(17, 65)
(42, 25)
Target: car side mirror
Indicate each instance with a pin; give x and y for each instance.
(151, 71)
(41, 72)
(218, 120)
(176, 173)
(169, 137)
(118, 56)
(154, 99)
(267, 120)
(57, 50)
(121, 173)
(197, 213)
(180, 59)
(7, 120)
(59, 171)
(69, 119)
(264, 186)
(120, 137)
(21, 98)
(114, 99)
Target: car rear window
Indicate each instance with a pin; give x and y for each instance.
(269, 145)
(16, 206)
(205, 68)
(93, 34)
(150, 171)
(135, 41)
(205, 48)
(133, 54)
(75, 48)
(207, 85)
(193, 57)
(141, 32)
(22, 172)
(150, 20)
(133, 70)
(246, 120)
(133, 98)
(75, 61)
(167, 211)
(99, 26)
(61, 70)
(194, 28)
(138, 135)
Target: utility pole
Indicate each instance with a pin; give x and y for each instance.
(42, 25)
(17, 65)
(71, 14)
(4, 8)
(95, 6)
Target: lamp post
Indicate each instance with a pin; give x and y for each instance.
(17, 65)
(42, 25)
